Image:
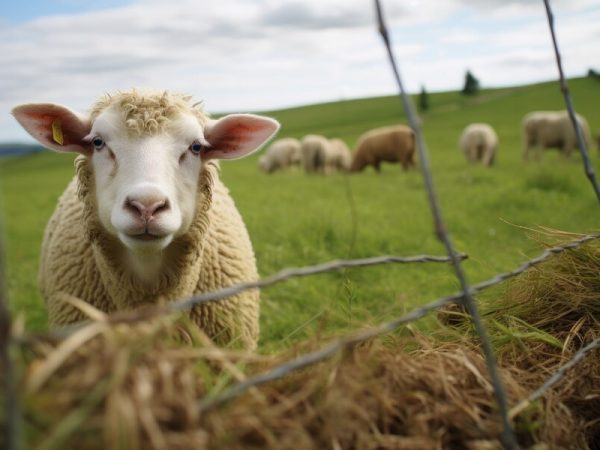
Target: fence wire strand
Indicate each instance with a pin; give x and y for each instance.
(587, 165)
(222, 294)
(342, 343)
(290, 273)
(555, 377)
(321, 354)
(508, 436)
(297, 272)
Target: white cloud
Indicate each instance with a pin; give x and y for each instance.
(264, 54)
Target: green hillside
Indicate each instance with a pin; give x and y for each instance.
(295, 219)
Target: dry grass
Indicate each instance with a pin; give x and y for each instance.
(543, 317)
(558, 304)
(138, 385)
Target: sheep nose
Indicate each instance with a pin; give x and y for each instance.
(147, 208)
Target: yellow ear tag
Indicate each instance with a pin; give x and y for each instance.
(57, 133)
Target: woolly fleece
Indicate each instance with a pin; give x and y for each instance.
(79, 259)
(281, 154)
(551, 129)
(479, 143)
(315, 149)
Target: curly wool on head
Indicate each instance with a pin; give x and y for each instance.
(147, 111)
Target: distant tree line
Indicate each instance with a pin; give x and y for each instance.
(471, 87)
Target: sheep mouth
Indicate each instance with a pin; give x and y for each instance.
(146, 237)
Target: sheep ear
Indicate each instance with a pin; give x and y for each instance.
(55, 127)
(237, 135)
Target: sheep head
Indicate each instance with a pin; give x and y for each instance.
(146, 152)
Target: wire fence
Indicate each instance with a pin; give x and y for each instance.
(463, 298)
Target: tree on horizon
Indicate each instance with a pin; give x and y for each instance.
(471, 86)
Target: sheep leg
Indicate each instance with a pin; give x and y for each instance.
(488, 157)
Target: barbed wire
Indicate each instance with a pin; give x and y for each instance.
(319, 355)
(555, 377)
(222, 294)
(508, 436)
(342, 343)
(291, 273)
(297, 272)
(535, 261)
(587, 166)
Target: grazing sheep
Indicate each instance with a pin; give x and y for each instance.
(281, 154)
(394, 143)
(339, 157)
(551, 129)
(315, 151)
(146, 218)
(479, 143)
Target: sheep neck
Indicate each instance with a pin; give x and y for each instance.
(146, 266)
(133, 280)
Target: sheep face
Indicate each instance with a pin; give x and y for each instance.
(146, 183)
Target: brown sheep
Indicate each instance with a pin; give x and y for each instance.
(394, 143)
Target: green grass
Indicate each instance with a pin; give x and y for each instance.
(295, 219)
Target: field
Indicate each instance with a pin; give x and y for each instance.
(295, 219)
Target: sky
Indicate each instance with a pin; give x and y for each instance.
(260, 55)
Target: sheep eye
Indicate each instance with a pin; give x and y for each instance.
(98, 143)
(196, 147)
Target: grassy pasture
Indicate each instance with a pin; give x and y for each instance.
(295, 219)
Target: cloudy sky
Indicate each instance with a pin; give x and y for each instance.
(253, 55)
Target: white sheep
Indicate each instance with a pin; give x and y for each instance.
(479, 143)
(315, 151)
(146, 218)
(281, 154)
(551, 129)
(339, 156)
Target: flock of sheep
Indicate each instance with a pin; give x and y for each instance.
(317, 154)
(540, 130)
(478, 142)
